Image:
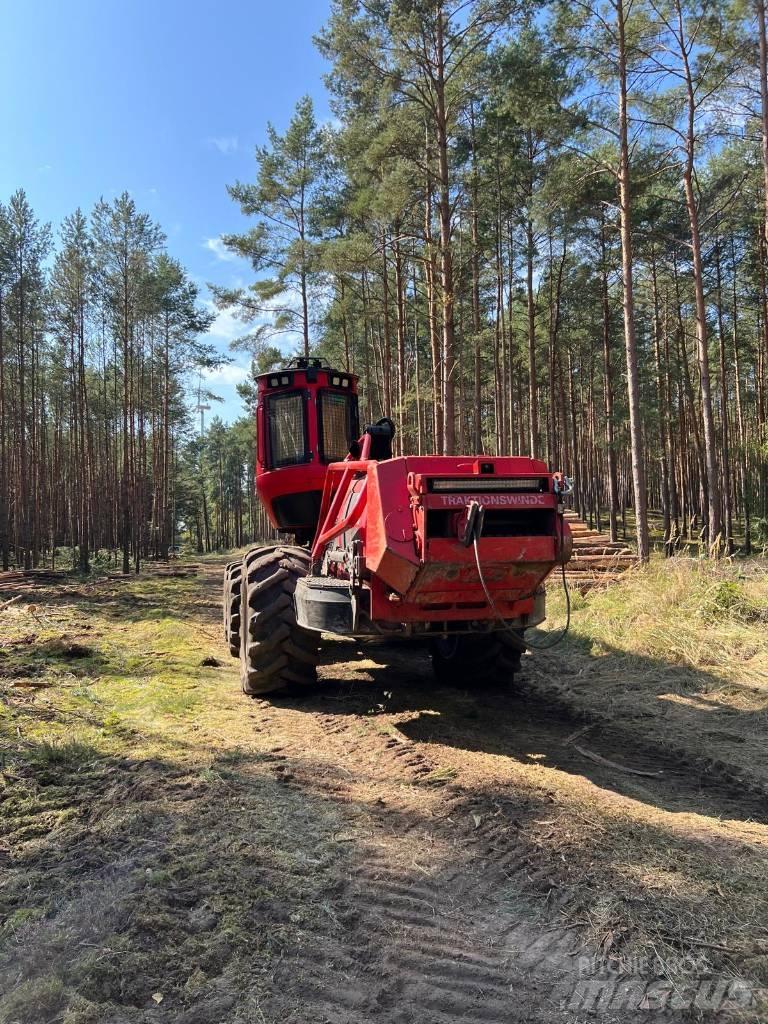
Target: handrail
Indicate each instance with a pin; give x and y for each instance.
(349, 520)
(330, 505)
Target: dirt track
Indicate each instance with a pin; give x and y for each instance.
(387, 850)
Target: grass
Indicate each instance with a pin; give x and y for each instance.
(678, 648)
(92, 686)
(125, 665)
(136, 819)
(698, 613)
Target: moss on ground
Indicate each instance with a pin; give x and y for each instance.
(137, 828)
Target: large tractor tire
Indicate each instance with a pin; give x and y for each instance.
(276, 655)
(232, 592)
(470, 660)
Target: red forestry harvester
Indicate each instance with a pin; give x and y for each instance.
(454, 550)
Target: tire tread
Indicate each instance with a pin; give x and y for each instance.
(277, 655)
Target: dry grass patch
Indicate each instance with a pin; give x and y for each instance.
(676, 652)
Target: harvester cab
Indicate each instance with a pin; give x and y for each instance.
(453, 550)
(306, 418)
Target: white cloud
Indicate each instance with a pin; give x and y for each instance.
(219, 250)
(226, 326)
(225, 144)
(228, 373)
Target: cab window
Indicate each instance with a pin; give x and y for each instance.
(286, 415)
(338, 418)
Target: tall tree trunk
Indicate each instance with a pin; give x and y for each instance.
(714, 525)
(386, 362)
(763, 75)
(344, 324)
(724, 429)
(630, 339)
(475, 217)
(613, 491)
(4, 475)
(662, 410)
(125, 484)
(430, 273)
(446, 253)
(746, 487)
(403, 429)
(555, 304)
(533, 398)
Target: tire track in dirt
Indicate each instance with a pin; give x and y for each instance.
(428, 943)
(390, 949)
(437, 947)
(433, 913)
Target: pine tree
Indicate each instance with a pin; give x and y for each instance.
(281, 246)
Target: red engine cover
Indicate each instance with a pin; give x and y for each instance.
(408, 513)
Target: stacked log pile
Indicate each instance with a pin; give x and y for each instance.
(21, 581)
(596, 560)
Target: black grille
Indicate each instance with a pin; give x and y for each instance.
(498, 522)
(286, 417)
(297, 511)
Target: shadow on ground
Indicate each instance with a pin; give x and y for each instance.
(166, 893)
(523, 723)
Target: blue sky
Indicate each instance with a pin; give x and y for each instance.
(165, 99)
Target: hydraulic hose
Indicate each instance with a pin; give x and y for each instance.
(492, 603)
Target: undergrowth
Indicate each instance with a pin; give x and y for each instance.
(115, 664)
(695, 613)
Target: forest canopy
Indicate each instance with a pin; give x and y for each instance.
(539, 230)
(528, 229)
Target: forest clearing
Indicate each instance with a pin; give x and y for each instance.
(414, 355)
(385, 848)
